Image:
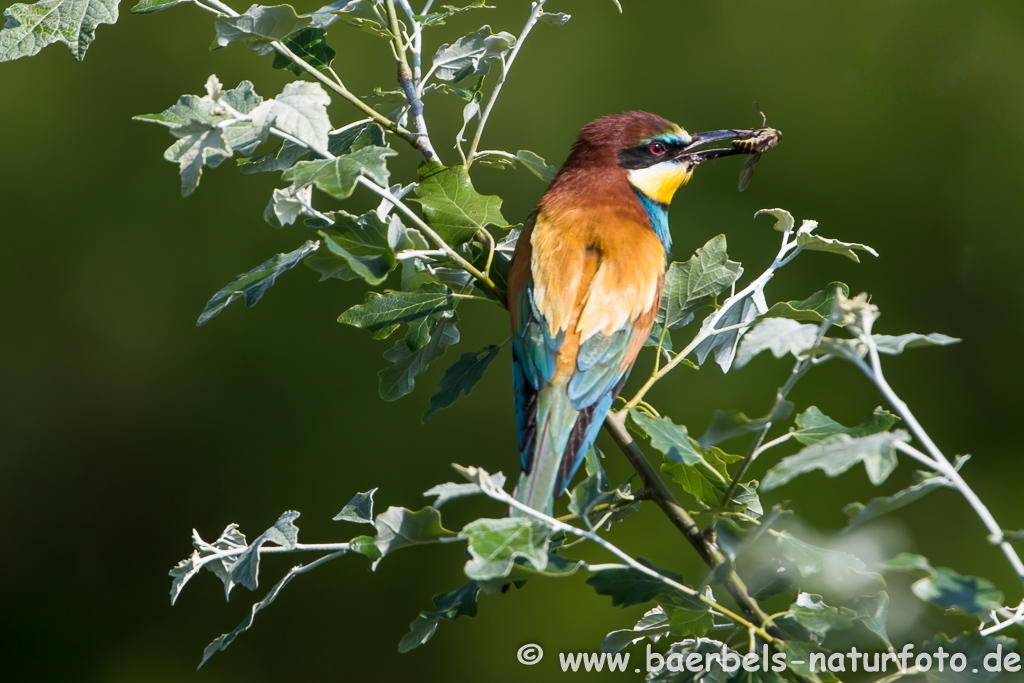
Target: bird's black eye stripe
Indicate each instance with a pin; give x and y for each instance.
(648, 154)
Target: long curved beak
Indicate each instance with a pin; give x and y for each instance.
(695, 156)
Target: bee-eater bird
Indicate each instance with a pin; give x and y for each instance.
(585, 283)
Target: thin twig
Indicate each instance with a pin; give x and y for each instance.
(535, 12)
(406, 80)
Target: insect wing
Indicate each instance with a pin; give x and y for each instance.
(747, 171)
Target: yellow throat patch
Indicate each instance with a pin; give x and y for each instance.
(660, 182)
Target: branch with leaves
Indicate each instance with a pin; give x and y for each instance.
(455, 248)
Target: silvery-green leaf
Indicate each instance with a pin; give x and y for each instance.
(300, 111)
(838, 453)
(811, 612)
(653, 624)
(812, 425)
(897, 345)
(807, 240)
(448, 11)
(859, 513)
(783, 219)
(246, 569)
(724, 344)
(555, 18)
(230, 539)
(452, 206)
(252, 284)
(358, 247)
(259, 26)
(730, 424)
(359, 509)
(950, 590)
(778, 335)
(471, 55)
(30, 28)
(450, 606)
(281, 158)
(451, 491)
(151, 6)
(199, 145)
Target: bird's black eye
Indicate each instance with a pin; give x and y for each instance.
(656, 148)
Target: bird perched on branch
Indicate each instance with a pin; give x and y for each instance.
(585, 285)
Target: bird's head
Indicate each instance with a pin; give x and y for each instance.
(655, 155)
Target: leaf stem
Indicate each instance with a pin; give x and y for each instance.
(536, 9)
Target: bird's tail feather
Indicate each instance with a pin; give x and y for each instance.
(555, 421)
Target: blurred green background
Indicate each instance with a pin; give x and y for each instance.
(124, 426)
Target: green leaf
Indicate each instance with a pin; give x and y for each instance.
(873, 611)
(310, 44)
(460, 378)
(495, 544)
(471, 55)
(783, 219)
(737, 311)
(448, 11)
(671, 439)
(253, 284)
(778, 335)
(365, 246)
(653, 625)
(450, 606)
(246, 568)
(811, 612)
(812, 425)
(280, 158)
(337, 177)
(30, 28)
(151, 6)
(808, 241)
(382, 314)
(399, 527)
(949, 590)
(860, 513)
(728, 425)
(836, 454)
(627, 586)
(908, 562)
(359, 509)
(693, 623)
(355, 138)
(300, 111)
(259, 26)
(816, 308)
(695, 283)
(897, 345)
(400, 379)
(536, 165)
(364, 545)
(811, 559)
(452, 206)
(770, 578)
